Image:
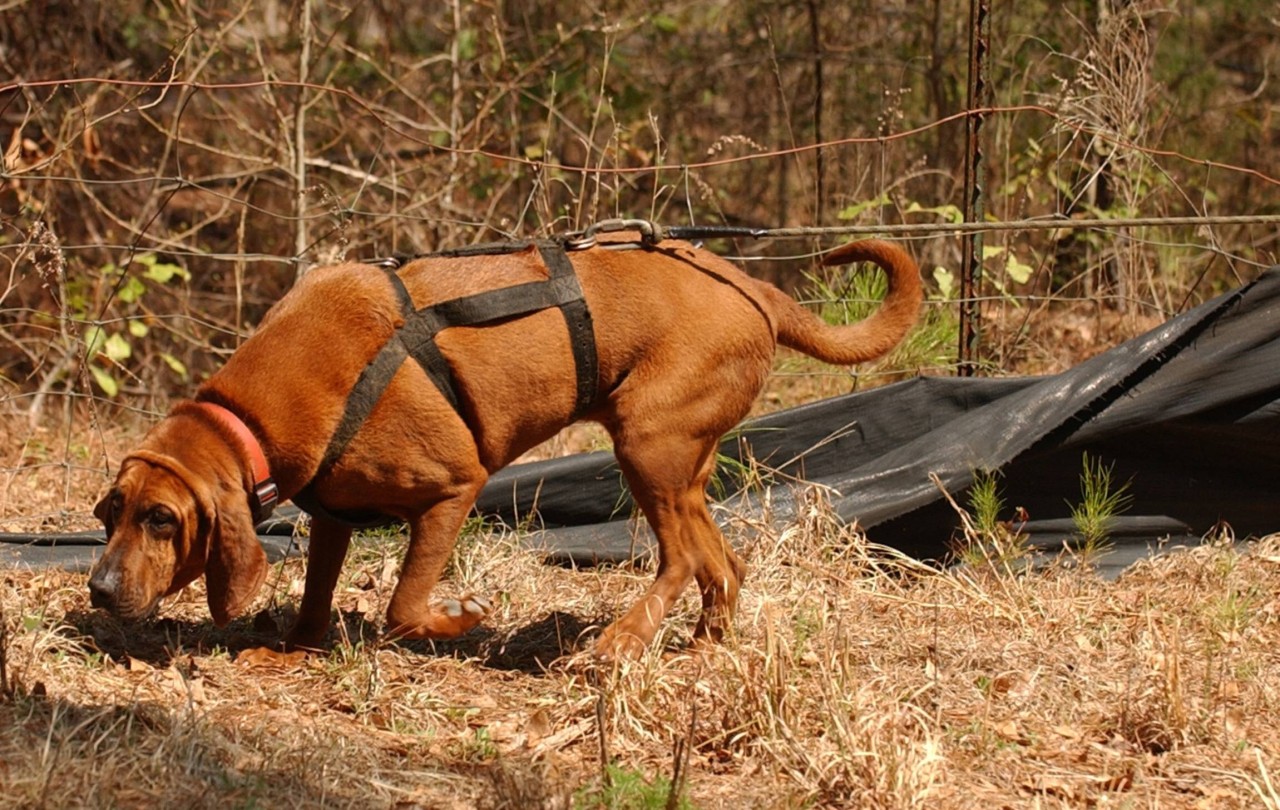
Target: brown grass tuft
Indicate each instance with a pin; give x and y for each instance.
(857, 678)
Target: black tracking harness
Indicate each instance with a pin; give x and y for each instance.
(416, 339)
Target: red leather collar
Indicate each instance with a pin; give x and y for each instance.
(264, 495)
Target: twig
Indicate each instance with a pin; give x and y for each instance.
(300, 238)
(602, 734)
(5, 694)
(680, 755)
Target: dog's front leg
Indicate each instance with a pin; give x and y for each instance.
(325, 553)
(412, 614)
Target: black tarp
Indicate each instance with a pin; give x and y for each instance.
(1188, 414)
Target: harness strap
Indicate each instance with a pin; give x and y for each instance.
(582, 336)
(416, 339)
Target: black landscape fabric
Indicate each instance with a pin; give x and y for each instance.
(1188, 414)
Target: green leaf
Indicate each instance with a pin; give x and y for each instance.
(950, 213)
(853, 211)
(105, 381)
(666, 23)
(946, 281)
(174, 364)
(466, 44)
(1017, 271)
(161, 272)
(94, 337)
(131, 290)
(117, 348)
(138, 329)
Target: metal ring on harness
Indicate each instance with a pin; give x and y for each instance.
(650, 232)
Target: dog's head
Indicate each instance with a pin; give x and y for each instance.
(166, 525)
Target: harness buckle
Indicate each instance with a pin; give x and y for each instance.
(263, 500)
(579, 240)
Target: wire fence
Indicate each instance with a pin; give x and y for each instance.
(201, 222)
(148, 224)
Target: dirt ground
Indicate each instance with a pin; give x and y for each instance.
(857, 679)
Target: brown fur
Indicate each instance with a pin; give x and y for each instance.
(685, 342)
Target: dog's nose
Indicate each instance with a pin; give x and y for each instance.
(102, 589)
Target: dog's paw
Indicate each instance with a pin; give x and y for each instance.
(468, 607)
(615, 645)
(448, 618)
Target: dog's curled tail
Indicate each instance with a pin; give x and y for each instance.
(800, 329)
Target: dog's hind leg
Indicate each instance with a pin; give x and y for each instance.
(668, 477)
(412, 614)
(719, 577)
(325, 552)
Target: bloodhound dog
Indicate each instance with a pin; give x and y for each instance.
(396, 391)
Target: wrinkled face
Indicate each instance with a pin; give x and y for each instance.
(154, 540)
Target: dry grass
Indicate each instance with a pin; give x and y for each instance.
(857, 679)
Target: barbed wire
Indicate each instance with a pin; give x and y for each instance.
(218, 186)
(385, 123)
(1038, 223)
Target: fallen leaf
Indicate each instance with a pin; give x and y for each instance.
(1234, 720)
(267, 658)
(1229, 690)
(192, 688)
(564, 736)
(1001, 684)
(1118, 783)
(1051, 786)
(537, 726)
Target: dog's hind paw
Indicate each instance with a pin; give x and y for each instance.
(448, 618)
(471, 605)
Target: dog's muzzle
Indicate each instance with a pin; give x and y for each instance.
(104, 588)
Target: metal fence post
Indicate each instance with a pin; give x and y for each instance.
(974, 209)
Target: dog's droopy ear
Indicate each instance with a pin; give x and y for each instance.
(237, 564)
(103, 511)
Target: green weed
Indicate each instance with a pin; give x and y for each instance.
(1100, 502)
(628, 789)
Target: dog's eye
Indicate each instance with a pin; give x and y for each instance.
(161, 519)
(116, 505)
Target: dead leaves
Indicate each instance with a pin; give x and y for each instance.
(272, 659)
(181, 678)
(535, 733)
